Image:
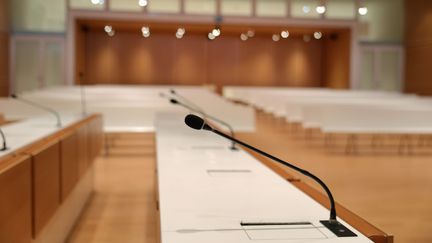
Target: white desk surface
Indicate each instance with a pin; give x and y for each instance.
(206, 190)
(23, 133)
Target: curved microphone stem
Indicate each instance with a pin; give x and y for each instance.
(4, 141)
(55, 113)
(304, 172)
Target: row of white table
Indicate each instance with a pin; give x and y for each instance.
(335, 111)
(206, 190)
(127, 108)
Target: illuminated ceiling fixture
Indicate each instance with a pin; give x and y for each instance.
(145, 30)
(317, 35)
(284, 34)
(97, 2)
(363, 10)
(142, 3)
(243, 37)
(320, 9)
(250, 33)
(111, 33)
(306, 9)
(216, 32)
(275, 37)
(180, 33)
(211, 36)
(109, 30)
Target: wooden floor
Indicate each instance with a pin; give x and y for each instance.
(392, 191)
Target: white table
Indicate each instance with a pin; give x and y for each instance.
(206, 190)
(26, 132)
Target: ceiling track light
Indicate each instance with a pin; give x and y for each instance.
(142, 3)
(321, 8)
(275, 37)
(317, 35)
(362, 10)
(243, 37)
(284, 34)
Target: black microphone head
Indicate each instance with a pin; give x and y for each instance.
(172, 91)
(197, 123)
(14, 96)
(174, 101)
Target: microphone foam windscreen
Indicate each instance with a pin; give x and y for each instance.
(194, 122)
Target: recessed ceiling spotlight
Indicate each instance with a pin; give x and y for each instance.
(317, 35)
(306, 9)
(216, 32)
(363, 10)
(320, 9)
(108, 28)
(181, 31)
(275, 37)
(211, 36)
(250, 33)
(284, 34)
(111, 33)
(243, 37)
(95, 2)
(142, 3)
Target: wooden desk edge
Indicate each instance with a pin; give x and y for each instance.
(366, 228)
(369, 230)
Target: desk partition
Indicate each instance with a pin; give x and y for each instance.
(46, 181)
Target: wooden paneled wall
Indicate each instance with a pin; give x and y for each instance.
(418, 44)
(128, 58)
(4, 47)
(336, 60)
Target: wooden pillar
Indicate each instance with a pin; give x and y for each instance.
(4, 47)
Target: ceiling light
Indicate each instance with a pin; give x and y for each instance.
(306, 38)
(243, 37)
(320, 9)
(142, 3)
(306, 9)
(275, 37)
(181, 31)
(96, 2)
(216, 32)
(111, 33)
(108, 28)
(179, 36)
(145, 31)
(317, 35)
(211, 36)
(284, 34)
(363, 10)
(250, 33)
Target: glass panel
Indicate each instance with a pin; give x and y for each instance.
(38, 15)
(26, 65)
(367, 70)
(125, 5)
(54, 64)
(304, 8)
(200, 6)
(236, 7)
(340, 9)
(271, 8)
(390, 71)
(164, 6)
(384, 21)
(87, 4)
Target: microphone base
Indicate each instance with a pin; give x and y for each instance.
(337, 228)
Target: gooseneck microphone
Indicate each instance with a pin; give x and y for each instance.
(332, 224)
(4, 147)
(176, 102)
(55, 113)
